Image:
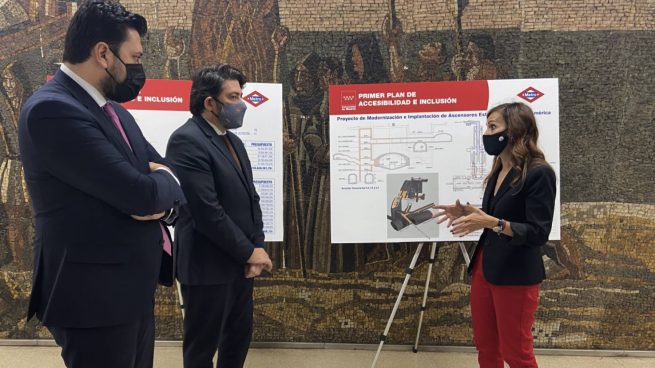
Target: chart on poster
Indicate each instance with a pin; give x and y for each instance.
(163, 106)
(396, 149)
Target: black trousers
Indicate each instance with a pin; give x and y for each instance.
(124, 346)
(217, 317)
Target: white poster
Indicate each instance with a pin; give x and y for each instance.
(396, 149)
(163, 106)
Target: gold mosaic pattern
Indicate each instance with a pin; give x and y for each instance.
(601, 281)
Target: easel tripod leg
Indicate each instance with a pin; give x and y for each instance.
(433, 249)
(408, 275)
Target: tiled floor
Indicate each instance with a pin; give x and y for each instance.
(171, 357)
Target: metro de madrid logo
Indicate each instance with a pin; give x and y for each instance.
(255, 98)
(348, 100)
(530, 94)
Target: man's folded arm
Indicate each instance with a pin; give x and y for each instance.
(75, 150)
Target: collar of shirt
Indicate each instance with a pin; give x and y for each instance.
(215, 128)
(86, 86)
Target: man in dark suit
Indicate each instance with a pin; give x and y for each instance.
(99, 191)
(220, 233)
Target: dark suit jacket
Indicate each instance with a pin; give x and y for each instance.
(222, 224)
(529, 208)
(93, 264)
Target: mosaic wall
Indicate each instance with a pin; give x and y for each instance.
(601, 275)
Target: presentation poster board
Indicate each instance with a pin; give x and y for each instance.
(163, 106)
(395, 149)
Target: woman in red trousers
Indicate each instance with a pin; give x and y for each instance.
(516, 217)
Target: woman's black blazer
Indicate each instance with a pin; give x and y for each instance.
(529, 208)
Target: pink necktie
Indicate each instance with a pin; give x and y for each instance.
(109, 110)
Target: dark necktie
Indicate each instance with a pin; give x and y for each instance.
(231, 149)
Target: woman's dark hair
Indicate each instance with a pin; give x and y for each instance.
(99, 21)
(208, 82)
(523, 136)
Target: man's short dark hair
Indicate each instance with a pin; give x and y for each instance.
(99, 21)
(208, 82)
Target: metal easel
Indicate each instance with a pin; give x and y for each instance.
(408, 275)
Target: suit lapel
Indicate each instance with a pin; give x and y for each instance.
(105, 123)
(241, 153)
(220, 145)
(133, 135)
(505, 185)
(488, 192)
(109, 127)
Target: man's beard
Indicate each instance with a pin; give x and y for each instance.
(108, 85)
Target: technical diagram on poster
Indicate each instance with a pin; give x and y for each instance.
(410, 200)
(396, 149)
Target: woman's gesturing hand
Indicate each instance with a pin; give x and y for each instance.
(451, 212)
(474, 221)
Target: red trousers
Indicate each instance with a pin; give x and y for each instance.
(502, 321)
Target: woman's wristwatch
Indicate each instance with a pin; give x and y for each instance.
(500, 227)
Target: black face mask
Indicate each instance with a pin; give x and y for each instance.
(494, 144)
(130, 87)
